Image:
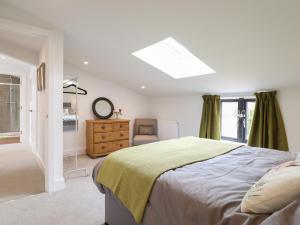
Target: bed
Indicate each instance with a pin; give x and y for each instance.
(207, 192)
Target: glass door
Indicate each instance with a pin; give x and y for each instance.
(9, 109)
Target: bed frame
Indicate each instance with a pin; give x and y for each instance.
(116, 213)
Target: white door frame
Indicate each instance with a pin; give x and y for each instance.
(23, 108)
(52, 147)
(32, 109)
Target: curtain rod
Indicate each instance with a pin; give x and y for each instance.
(243, 95)
(237, 97)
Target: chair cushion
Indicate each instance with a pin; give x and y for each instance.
(146, 130)
(144, 139)
(145, 122)
(274, 190)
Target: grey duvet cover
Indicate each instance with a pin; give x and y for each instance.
(210, 192)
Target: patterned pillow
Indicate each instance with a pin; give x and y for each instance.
(146, 130)
(274, 190)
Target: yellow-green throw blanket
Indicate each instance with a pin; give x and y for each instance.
(131, 173)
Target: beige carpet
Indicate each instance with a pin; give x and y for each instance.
(20, 174)
(79, 204)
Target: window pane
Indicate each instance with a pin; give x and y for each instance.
(229, 119)
(250, 112)
(9, 104)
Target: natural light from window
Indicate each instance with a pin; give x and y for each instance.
(229, 119)
(173, 59)
(237, 115)
(250, 113)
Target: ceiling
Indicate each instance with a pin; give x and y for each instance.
(21, 40)
(252, 45)
(7, 63)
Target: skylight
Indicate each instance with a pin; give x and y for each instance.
(173, 59)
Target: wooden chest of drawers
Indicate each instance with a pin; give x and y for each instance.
(106, 136)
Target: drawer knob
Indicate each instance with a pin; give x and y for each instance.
(103, 147)
(103, 127)
(121, 135)
(121, 145)
(121, 126)
(103, 137)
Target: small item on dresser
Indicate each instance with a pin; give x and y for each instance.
(118, 112)
(106, 136)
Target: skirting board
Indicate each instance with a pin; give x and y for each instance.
(59, 184)
(40, 162)
(79, 151)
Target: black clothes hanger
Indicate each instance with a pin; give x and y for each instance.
(84, 92)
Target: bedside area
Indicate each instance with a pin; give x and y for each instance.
(106, 136)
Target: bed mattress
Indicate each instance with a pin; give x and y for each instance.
(210, 192)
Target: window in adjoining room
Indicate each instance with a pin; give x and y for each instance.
(236, 119)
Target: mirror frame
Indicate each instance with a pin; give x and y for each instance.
(95, 111)
(73, 79)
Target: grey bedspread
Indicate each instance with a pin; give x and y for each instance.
(210, 192)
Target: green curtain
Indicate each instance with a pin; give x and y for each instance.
(211, 117)
(268, 129)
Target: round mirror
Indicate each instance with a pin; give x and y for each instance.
(103, 108)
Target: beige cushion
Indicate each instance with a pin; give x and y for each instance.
(274, 190)
(143, 122)
(144, 139)
(146, 130)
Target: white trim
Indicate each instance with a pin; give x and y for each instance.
(79, 151)
(59, 184)
(32, 109)
(40, 162)
(23, 108)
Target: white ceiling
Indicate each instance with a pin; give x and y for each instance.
(23, 41)
(12, 66)
(251, 45)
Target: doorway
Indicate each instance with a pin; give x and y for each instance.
(10, 108)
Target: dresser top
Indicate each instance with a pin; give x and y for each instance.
(108, 121)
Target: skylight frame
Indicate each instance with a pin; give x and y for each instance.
(170, 57)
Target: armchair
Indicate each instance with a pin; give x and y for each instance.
(145, 131)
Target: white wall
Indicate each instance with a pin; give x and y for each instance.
(289, 101)
(133, 105)
(50, 112)
(18, 52)
(42, 118)
(186, 110)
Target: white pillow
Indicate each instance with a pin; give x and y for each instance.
(274, 190)
(298, 157)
